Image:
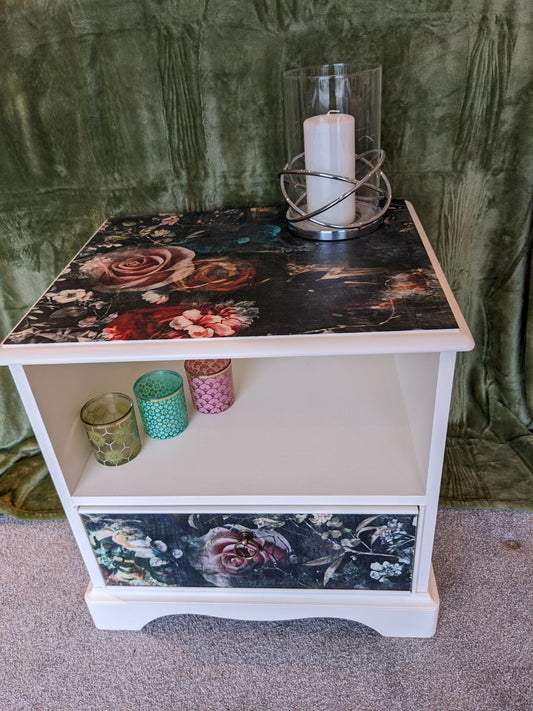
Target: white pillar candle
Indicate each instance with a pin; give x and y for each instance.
(329, 146)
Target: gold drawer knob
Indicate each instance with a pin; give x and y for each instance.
(245, 543)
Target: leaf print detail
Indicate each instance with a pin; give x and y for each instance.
(331, 570)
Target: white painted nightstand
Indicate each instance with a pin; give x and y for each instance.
(331, 456)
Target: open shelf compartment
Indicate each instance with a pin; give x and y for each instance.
(312, 430)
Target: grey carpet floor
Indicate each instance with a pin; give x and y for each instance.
(52, 657)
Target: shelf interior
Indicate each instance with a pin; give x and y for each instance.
(348, 426)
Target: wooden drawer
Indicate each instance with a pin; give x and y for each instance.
(360, 550)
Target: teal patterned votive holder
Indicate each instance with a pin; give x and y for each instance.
(161, 401)
(111, 428)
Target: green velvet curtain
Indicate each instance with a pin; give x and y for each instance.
(135, 106)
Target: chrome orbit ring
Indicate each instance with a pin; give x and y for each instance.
(371, 207)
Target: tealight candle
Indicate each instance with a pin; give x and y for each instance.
(329, 146)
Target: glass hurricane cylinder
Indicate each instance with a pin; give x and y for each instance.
(333, 180)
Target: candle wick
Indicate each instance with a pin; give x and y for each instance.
(333, 111)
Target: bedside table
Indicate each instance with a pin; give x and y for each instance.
(316, 493)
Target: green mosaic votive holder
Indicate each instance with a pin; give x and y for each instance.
(111, 427)
(161, 401)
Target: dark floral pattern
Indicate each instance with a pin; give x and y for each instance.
(237, 272)
(218, 274)
(138, 269)
(308, 551)
(185, 321)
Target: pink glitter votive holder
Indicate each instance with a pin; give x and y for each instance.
(211, 384)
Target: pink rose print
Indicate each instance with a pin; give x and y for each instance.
(205, 325)
(217, 557)
(135, 269)
(197, 321)
(170, 220)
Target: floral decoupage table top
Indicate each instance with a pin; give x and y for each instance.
(237, 273)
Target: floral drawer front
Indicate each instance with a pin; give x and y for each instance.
(313, 551)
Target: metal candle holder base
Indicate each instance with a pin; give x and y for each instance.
(372, 201)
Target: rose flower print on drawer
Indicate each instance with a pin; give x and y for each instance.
(299, 550)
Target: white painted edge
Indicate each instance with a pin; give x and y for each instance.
(394, 614)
